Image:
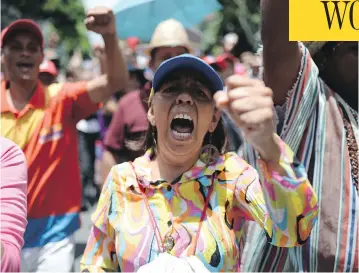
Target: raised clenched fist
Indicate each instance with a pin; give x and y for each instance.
(101, 20)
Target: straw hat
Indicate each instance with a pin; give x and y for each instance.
(314, 47)
(169, 33)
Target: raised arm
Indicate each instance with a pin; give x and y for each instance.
(281, 58)
(110, 104)
(102, 21)
(281, 199)
(284, 204)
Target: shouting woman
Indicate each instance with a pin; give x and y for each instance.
(187, 199)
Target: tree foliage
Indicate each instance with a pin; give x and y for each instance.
(66, 16)
(239, 16)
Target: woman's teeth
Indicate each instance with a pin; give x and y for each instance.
(182, 127)
(183, 116)
(181, 135)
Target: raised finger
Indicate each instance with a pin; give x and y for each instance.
(240, 81)
(248, 104)
(104, 19)
(90, 20)
(98, 11)
(253, 118)
(248, 91)
(221, 99)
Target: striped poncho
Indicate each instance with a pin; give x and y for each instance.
(316, 124)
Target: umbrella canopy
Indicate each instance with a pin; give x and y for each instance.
(140, 17)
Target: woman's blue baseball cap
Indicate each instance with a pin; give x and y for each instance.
(190, 62)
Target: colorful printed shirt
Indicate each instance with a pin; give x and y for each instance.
(316, 124)
(123, 239)
(46, 131)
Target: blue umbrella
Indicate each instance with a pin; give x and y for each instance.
(140, 17)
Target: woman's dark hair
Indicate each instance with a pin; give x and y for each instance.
(140, 77)
(218, 137)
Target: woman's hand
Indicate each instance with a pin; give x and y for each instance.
(250, 104)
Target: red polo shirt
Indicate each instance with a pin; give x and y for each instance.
(46, 131)
(129, 123)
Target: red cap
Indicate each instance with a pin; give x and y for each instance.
(48, 66)
(133, 42)
(27, 24)
(209, 59)
(221, 60)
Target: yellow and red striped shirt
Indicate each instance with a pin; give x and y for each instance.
(46, 131)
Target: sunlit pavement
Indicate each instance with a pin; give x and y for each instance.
(81, 237)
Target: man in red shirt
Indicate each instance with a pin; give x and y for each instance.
(42, 121)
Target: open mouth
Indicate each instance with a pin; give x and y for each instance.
(25, 65)
(182, 127)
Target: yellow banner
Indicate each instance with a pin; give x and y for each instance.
(315, 20)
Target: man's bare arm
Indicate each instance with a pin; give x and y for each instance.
(102, 21)
(281, 58)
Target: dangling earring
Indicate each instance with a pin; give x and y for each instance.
(209, 153)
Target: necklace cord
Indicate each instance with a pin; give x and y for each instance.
(155, 227)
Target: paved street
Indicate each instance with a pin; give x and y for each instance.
(81, 237)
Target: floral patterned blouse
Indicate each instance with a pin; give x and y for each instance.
(279, 198)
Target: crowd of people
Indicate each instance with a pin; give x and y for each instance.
(193, 163)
